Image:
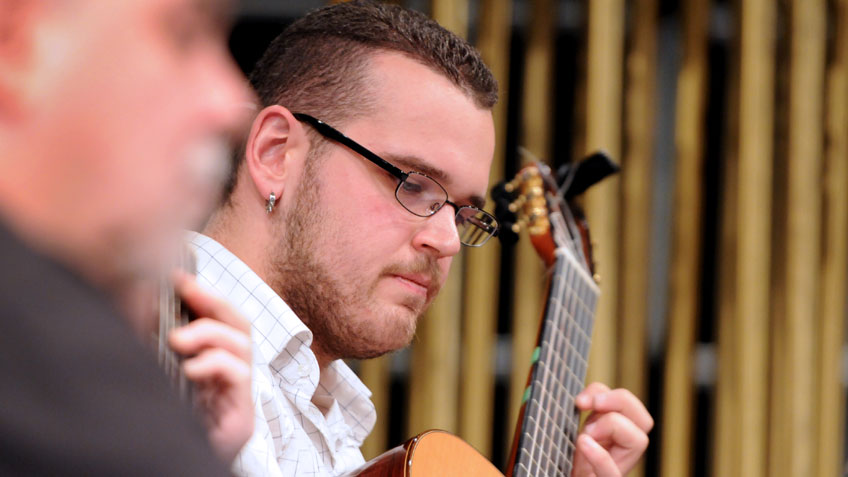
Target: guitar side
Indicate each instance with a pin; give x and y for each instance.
(430, 453)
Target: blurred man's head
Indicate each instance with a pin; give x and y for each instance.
(113, 115)
(356, 265)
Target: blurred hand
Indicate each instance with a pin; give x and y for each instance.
(615, 434)
(218, 350)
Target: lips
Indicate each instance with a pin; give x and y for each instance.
(420, 282)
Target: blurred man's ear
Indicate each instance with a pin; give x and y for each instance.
(17, 32)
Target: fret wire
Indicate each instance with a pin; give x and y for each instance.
(535, 452)
(562, 344)
(556, 344)
(546, 361)
(541, 382)
(551, 418)
(564, 325)
(572, 331)
(576, 349)
(560, 388)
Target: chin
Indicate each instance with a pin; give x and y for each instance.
(393, 333)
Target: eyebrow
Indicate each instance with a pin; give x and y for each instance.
(412, 163)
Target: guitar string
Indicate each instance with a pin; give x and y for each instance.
(539, 416)
(569, 323)
(577, 333)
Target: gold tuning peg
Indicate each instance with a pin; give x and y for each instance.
(520, 224)
(513, 184)
(518, 203)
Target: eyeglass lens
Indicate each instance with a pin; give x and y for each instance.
(423, 196)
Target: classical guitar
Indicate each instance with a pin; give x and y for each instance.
(539, 201)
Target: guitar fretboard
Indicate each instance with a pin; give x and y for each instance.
(551, 421)
(173, 315)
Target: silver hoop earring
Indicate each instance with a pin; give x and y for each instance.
(272, 199)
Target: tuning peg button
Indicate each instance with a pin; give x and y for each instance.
(517, 203)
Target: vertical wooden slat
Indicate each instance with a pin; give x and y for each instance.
(434, 373)
(636, 172)
(684, 299)
(605, 51)
(482, 265)
(535, 133)
(797, 420)
(434, 377)
(756, 107)
(451, 14)
(726, 438)
(831, 403)
(375, 375)
(725, 455)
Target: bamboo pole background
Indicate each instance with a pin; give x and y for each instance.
(375, 374)
(678, 391)
(477, 390)
(726, 440)
(536, 133)
(794, 454)
(748, 348)
(605, 50)
(830, 405)
(754, 230)
(636, 180)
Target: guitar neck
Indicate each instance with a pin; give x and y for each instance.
(545, 445)
(172, 315)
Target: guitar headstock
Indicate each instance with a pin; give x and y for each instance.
(542, 203)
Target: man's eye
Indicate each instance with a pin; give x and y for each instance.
(411, 188)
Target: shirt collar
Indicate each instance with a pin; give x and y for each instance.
(275, 326)
(279, 333)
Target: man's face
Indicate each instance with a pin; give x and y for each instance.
(356, 266)
(136, 97)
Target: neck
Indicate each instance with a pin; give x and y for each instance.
(245, 233)
(324, 359)
(235, 227)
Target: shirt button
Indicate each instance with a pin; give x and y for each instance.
(303, 370)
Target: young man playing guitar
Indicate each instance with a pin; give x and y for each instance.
(360, 179)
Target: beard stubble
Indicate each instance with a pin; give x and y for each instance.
(339, 314)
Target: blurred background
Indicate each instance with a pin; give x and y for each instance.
(721, 246)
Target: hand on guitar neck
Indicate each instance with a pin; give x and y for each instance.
(615, 434)
(218, 350)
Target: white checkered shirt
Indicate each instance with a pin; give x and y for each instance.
(292, 435)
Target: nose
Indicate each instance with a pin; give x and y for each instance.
(438, 235)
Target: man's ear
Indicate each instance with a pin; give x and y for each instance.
(275, 150)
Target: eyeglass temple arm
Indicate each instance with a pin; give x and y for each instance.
(334, 134)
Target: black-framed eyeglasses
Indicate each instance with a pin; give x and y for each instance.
(418, 193)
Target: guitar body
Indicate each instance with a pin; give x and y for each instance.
(430, 453)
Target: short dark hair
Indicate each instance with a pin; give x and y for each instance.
(318, 64)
